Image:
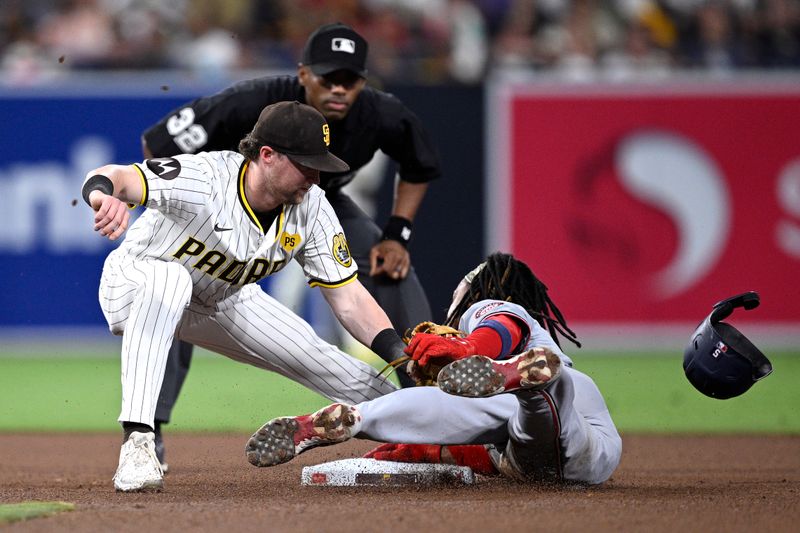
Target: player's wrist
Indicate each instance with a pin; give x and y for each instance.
(97, 182)
(388, 345)
(398, 229)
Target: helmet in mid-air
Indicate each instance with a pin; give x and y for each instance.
(719, 361)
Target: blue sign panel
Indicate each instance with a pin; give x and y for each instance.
(50, 259)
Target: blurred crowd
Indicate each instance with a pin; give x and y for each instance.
(413, 41)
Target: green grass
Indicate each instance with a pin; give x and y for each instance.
(645, 393)
(14, 512)
(651, 394)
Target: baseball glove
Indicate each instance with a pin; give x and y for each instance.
(423, 375)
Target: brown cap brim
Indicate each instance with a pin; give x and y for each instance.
(325, 162)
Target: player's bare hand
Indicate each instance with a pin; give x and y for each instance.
(111, 215)
(390, 258)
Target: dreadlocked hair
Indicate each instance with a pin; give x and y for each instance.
(506, 278)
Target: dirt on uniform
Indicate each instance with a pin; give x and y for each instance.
(664, 483)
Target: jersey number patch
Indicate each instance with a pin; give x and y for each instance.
(187, 135)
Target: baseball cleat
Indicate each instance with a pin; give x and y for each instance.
(139, 468)
(479, 376)
(281, 439)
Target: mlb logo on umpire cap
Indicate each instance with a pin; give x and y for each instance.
(335, 47)
(340, 44)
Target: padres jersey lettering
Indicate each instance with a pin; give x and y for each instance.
(212, 260)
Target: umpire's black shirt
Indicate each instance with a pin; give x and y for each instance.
(376, 120)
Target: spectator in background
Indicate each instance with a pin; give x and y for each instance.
(526, 38)
(777, 33)
(469, 46)
(207, 49)
(79, 30)
(590, 29)
(711, 42)
(416, 41)
(638, 58)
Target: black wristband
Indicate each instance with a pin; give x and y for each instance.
(98, 182)
(388, 345)
(398, 229)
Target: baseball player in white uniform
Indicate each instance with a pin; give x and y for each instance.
(554, 425)
(216, 223)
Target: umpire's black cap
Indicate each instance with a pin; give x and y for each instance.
(300, 132)
(335, 47)
(719, 361)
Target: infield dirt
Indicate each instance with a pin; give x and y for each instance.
(664, 483)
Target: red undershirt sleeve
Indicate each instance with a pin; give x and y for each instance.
(497, 336)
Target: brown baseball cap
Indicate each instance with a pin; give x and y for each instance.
(301, 133)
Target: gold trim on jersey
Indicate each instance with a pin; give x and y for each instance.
(279, 228)
(243, 198)
(332, 285)
(145, 189)
(249, 210)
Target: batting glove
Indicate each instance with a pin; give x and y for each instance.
(406, 453)
(474, 456)
(425, 346)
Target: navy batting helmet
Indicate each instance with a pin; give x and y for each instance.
(719, 361)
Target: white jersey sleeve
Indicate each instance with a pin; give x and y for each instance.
(326, 258)
(180, 186)
(535, 336)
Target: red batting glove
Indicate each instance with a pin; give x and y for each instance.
(406, 453)
(474, 456)
(425, 346)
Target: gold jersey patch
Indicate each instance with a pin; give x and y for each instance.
(341, 252)
(290, 241)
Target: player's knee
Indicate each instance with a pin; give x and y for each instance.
(183, 286)
(169, 286)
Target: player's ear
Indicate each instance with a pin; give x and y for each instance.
(267, 154)
(303, 74)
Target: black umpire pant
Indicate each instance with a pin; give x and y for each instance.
(404, 301)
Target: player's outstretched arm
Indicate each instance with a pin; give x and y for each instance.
(107, 190)
(357, 311)
(361, 315)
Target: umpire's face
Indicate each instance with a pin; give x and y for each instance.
(332, 94)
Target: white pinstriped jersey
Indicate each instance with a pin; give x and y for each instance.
(199, 217)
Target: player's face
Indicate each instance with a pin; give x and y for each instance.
(291, 181)
(332, 94)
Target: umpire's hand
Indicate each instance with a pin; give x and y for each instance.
(391, 258)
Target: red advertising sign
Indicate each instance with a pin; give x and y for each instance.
(649, 206)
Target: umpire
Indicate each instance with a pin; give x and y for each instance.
(363, 120)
